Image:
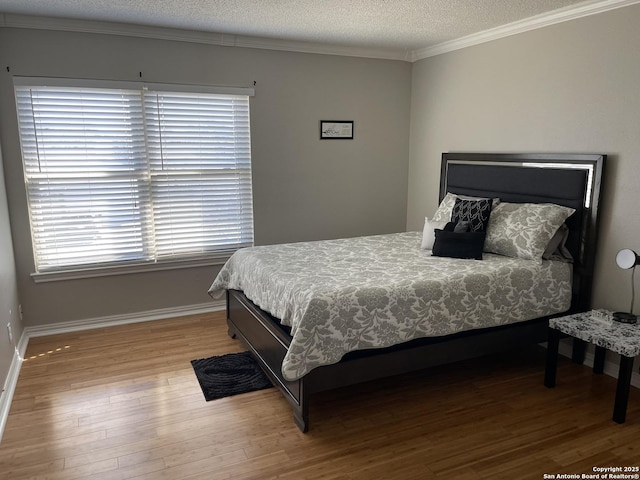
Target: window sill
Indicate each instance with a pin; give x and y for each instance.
(110, 270)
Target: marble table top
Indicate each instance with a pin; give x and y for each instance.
(599, 328)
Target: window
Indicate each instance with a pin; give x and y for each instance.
(130, 174)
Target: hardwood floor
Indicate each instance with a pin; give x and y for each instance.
(123, 402)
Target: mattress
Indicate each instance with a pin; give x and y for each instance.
(359, 293)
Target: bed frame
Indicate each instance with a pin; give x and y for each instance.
(571, 180)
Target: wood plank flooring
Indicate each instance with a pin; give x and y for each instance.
(123, 402)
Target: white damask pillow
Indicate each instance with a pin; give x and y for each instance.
(443, 213)
(523, 230)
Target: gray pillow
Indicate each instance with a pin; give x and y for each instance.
(557, 249)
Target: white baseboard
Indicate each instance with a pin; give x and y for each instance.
(610, 368)
(78, 325)
(112, 320)
(11, 381)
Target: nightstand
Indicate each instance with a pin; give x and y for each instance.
(599, 328)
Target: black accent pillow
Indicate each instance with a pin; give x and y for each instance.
(459, 227)
(462, 226)
(458, 245)
(476, 212)
(449, 227)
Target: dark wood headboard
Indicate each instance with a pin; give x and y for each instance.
(572, 180)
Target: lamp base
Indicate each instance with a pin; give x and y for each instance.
(624, 317)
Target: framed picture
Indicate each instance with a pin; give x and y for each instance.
(336, 129)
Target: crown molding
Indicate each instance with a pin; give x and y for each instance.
(195, 36)
(584, 9)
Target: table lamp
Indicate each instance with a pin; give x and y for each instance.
(627, 259)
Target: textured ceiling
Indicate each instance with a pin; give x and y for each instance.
(402, 25)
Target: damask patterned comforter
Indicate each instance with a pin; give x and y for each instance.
(371, 292)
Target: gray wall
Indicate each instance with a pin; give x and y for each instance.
(571, 87)
(8, 289)
(304, 188)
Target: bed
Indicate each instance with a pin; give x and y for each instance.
(314, 321)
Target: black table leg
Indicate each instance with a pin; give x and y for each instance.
(598, 359)
(622, 390)
(579, 348)
(552, 358)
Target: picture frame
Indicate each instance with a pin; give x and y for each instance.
(336, 129)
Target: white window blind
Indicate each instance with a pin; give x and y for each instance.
(119, 176)
(200, 165)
